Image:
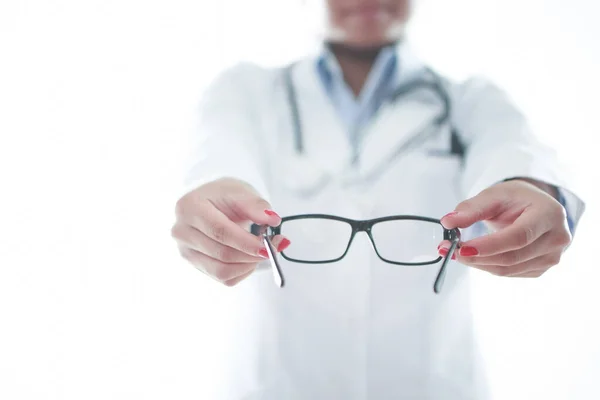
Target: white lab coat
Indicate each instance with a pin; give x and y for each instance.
(357, 329)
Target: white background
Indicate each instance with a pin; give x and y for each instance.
(96, 99)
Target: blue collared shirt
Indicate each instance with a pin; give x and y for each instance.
(356, 111)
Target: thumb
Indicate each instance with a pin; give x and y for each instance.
(255, 209)
(482, 207)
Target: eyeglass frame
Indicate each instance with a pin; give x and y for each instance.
(452, 235)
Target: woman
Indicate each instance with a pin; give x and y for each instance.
(339, 134)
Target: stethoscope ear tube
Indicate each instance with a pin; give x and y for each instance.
(294, 109)
(435, 85)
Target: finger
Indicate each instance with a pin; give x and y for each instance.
(235, 281)
(526, 229)
(442, 251)
(531, 274)
(217, 226)
(513, 257)
(484, 206)
(252, 208)
(214, 268)
(198, 241)
(444, 244)
(539, 263)
(280, 243)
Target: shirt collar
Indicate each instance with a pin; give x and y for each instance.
(401, 57)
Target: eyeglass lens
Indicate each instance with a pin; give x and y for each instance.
(324, 240)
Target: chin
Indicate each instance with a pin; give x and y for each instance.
(370, 42)
(365, 46)
(376, 39)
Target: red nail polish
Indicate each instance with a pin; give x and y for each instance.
(468, 251)
(263, 253)
(444, 253)
(283, 245)
(272, 213)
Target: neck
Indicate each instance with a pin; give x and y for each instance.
(355, 63)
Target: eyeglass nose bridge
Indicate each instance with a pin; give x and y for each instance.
(363, 226)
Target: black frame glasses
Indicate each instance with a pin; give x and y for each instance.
(452, 235)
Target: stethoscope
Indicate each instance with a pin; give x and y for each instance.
(433, 85)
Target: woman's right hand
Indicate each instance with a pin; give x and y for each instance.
(211, 229)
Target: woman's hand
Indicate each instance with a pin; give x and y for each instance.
(211, 229)
(530, 229)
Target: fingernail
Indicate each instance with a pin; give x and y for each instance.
(444, 253)
(450, 214)
(272, 213)
(263, 253)
(283, 245)
(468, 251)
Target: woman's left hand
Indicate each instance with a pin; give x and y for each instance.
(530, 229)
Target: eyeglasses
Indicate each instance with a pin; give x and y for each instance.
(322, 239)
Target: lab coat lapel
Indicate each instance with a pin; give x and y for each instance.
(397, 123)
(399, 127)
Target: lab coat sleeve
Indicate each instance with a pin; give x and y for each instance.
(500, 145)
(226, 140)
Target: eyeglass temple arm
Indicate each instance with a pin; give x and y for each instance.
(454, 237)
(262, 232)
